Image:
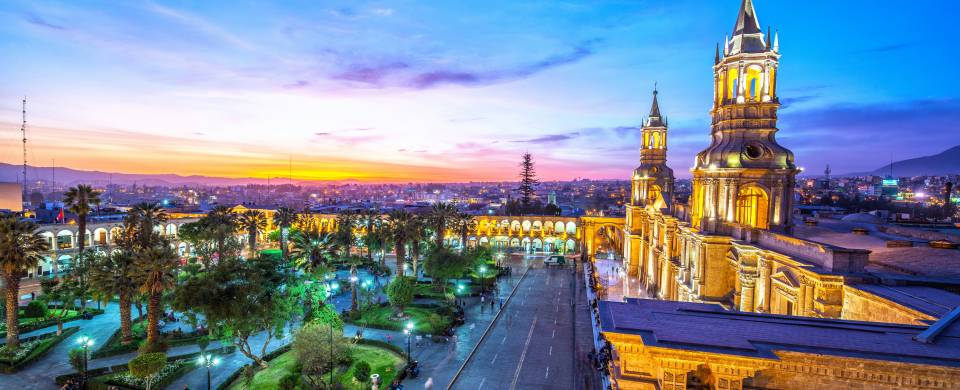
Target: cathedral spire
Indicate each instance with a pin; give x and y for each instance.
(747, 36)
(716, 55)
(747, 22)
(654, 119)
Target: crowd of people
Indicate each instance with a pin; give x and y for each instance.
(602, 354)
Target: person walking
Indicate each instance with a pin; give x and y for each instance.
(429, 384)
(501, 303)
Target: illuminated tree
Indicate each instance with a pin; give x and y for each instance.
(253, 222)
(21, 248)
(78, 200)
(528, 181)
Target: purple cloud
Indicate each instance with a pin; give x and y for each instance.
(370, 74)
(38, 21)
(551, 138)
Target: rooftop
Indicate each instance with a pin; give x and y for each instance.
(710, 328)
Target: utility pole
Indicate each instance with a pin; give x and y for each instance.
(23, 132)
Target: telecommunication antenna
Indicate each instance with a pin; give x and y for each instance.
(23, 132)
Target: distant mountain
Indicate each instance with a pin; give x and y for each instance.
(69, 177)
(944, 163)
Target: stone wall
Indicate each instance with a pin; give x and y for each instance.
(919, 233)
(859, 305)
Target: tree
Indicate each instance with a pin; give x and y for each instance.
(140, 222)
(147, 366)
(444, 264)
(400, 293)
(200, 239)
(318, 349)
(21, 248)
(240, 299)
(346, 222)
(283, 219)
(253, 222)
(63, 291)
(400, 225)
(418, 232)
(371, 220)
(114, 274)
(312, 249)
(154, 274)
(464, 223)
(528, 180)
(440, 218)
(222, 224)
(78, 200)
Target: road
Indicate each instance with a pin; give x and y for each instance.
(531, 345)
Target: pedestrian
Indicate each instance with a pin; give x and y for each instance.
(501, 303)
(429, 384)
(389, 338)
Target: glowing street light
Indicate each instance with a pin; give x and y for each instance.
(408, 330)
(208, 361)
(86, 342)
(483, 280)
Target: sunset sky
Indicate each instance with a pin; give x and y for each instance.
(455, 90)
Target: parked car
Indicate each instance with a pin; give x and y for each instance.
(555, 260)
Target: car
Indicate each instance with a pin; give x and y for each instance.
(555, 260)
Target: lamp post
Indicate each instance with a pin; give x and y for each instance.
(85, 342)
(408, 330)
(208, 361)
(483, 280)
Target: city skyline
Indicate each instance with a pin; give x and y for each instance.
(416, 92)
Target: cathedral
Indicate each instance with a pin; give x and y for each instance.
(732, 261)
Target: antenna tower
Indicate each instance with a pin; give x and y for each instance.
(23, 132)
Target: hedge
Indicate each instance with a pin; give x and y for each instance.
(92, 384)
(113, 346)
(11, 367)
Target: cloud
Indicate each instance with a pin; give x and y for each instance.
(36, 20)
(297, 84)
(551, 138)
(321, 134)
(382, 11)
(785, 103)
(436, 78)
(369, 74)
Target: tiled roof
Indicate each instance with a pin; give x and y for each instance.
(710, 328)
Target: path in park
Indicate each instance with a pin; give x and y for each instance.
(531, 345)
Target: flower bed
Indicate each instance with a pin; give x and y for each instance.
(115, 346)
(167, 374)
(381, 317)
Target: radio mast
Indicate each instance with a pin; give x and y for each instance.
(23, 132)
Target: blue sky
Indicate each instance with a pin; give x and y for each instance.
(450, 91)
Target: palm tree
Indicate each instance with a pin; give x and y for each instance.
(401, 226)
(283, 218)
(78, 200)
(253, 222)
(464, 223)
(155, 274)
(312, 249)
(113, 275)
(141, 220)
(372, 219)
(346, 221)
(222, 223)
(418, 232)
(441, 214)
(21, 248)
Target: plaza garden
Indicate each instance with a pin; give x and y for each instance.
(229, 298)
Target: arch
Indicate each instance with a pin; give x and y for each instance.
(64, 263)
(655, 197)
(171, 230)
(559, 227)
(537, 245)
(526, 226)
(158, 229)
(87, 237)
(484, 241)
(65, 239)
(753, 83)
(525, 243)
(115, 232)
(183, 249)
(570, 246)
(515, 226)
(515, 243)
(571, 228)
(753, 207)
(655, 140)
(537, 226)
(547, 227)
(49, 238)
(101, 236)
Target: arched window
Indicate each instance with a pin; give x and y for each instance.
(753, 207)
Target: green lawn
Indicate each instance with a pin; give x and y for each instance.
(381, 317)
(114, 345)
(29, 324)
(384, 362)
(269, 378)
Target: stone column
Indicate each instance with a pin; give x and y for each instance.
(747, 284)
(763, 285)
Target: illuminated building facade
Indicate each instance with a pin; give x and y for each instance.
(733, 245)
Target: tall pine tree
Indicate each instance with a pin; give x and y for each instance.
(528, 181)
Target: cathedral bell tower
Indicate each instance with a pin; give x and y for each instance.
(652, 183)
(744, 176)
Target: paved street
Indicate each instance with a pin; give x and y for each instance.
(531, 345)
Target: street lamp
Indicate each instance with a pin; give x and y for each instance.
(208, 361)
(408, 330)
(86, 342)
(483, 280)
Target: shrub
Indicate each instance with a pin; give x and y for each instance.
(290, 381)
(361, 372)
(76, 359)
(156, 346)
(35, 309)
(400, 292)
(147, 365)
